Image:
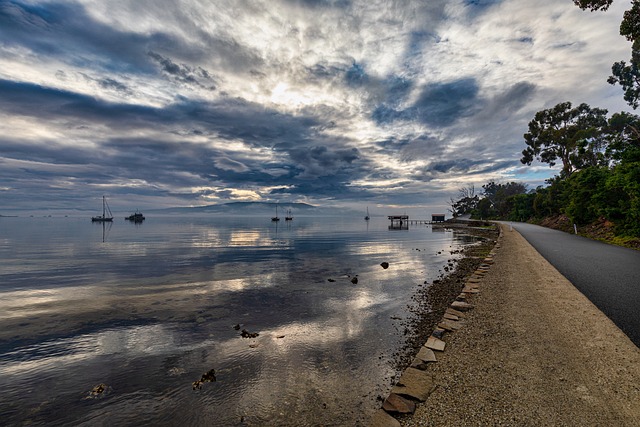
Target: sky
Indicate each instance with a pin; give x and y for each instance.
(393, 105)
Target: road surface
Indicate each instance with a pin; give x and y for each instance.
(608, 275)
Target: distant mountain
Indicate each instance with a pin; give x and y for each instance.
(257, 208)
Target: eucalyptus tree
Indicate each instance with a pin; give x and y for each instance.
(571, 135)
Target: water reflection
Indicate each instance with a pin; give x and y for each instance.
(106, 227)
(154, 309)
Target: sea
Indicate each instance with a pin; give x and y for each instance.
(207, 320)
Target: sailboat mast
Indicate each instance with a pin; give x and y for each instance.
(103, 203)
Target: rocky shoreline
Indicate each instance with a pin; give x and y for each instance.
(530, 350)
(430, 302)
(433, 313)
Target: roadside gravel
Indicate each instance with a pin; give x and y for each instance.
(533, 352)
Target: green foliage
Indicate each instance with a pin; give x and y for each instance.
(623, 134)
(622, 189)
(483, 210)
(498, 196)
(521, 207)
(587, 196)
(628, 76)
(584, 193)
(630, 26)
(572, 135)
(593, 4)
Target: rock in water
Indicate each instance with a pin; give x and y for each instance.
(385, 265)
(207, 377)
(247, 334)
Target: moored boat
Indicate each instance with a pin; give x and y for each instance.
(135, 217)
(105, 210)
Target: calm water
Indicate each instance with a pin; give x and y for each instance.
(147, 309)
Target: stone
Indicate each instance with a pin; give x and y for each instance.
(435, 344)
(449, 316)
(455, 312)
(419, 364)
(382, 419)
(398, 404)
(468, 290)
(449, 325)
(426, 355)
(461, 306)
(438, 333)
(384, 265)
(415, 384)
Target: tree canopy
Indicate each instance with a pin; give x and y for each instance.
(569, 134)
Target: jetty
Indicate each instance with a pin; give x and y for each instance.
(402, 220)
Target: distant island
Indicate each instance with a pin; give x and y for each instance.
(258, 208)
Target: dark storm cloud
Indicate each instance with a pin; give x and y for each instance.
(307, 155)
(113, 84)
(66, 31)
(183, 73)
(231, 119)
(442, 104)
(439, 104)
(320, 161)
(49, 104)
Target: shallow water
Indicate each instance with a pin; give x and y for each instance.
(146, 309)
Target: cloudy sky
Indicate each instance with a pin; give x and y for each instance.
(333, 102)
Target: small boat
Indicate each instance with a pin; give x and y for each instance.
(288, 217)
(135, 217)
(105, 210)
(366, 218)
(276, 218)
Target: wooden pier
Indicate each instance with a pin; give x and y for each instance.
(403, 220)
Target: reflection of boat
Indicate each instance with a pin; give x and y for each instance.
(366, 218)
(288, 217)
(105, 209)
(276, 218)
(135, 217)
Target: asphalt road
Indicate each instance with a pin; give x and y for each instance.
(606, 274)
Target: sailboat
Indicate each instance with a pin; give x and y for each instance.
(105, 210)
(366, 218)
(276, 218)
(288, 217)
